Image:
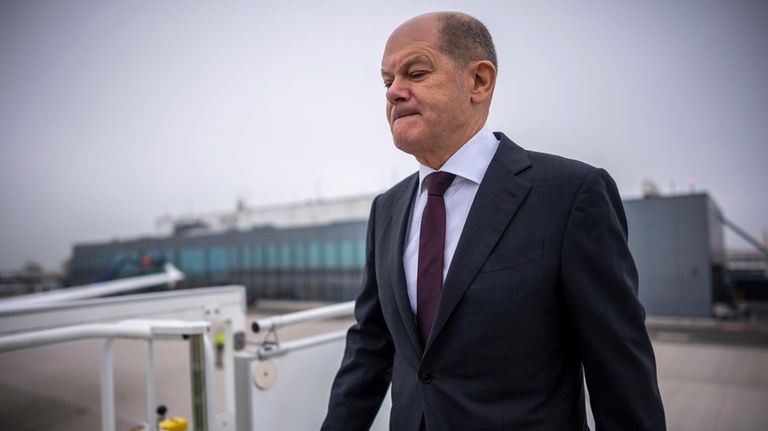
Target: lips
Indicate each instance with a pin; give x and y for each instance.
(398, 113)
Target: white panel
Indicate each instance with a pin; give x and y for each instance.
(298, 399)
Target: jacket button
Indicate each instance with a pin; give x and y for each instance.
(425, 377)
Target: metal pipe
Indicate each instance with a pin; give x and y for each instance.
(229, 366)
(304, 343)
(107, 388)
(197, 377)
(209, 384)
(171, 275)
(143, 329)
(744, 235)
(151, 390)
(71, 333)
(320, 313)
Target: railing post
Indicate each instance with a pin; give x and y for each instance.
(197, 371)
(209, 361)
(107, 388)
(151, 393)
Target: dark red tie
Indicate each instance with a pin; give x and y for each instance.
(429, 281)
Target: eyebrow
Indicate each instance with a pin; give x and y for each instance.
(416, 59)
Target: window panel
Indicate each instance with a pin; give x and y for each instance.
(314, 258)
(360, 253)
(299, 257)
(272, 256)
(330, 254)
(347, 258)
(217, 262)
(257, 256)
(193, 261)
(246, 261)
(284, 261)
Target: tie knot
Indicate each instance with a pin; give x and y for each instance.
(439, 182)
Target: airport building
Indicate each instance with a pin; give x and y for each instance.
(678, 246)
(309, 251)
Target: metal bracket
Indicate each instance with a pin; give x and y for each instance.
(270, 342)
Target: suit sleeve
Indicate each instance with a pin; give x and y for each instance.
(600, 283)
(366, 370)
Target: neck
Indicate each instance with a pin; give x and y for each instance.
(437, 158)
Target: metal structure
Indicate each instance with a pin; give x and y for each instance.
(321, 313)
(678, 246)
(170, 276)
(148, 330)
(179, 314)
(285, 386)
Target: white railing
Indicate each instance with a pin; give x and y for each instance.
(148, 330)
(284, 386)
(170, 276)
(122, 317)
(268, 350)
(312, 315)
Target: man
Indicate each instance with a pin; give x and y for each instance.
(496, 278)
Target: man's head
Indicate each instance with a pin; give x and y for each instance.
(440, 71)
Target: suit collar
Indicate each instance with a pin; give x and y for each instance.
(500, 195)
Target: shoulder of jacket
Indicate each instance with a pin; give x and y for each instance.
(559, 168)
(396, 192)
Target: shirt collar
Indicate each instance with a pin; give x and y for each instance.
(470, 161)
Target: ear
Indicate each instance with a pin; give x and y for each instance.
(483, 81)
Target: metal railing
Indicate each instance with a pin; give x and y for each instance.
(272, 348)
(148, 330)
(170, 276)
(284, 386)
(321, 313)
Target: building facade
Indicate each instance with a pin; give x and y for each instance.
(311, 251)
(678, 246)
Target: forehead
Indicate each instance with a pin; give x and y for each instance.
(411, 41)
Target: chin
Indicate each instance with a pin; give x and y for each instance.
(407, 140)
(406, 145)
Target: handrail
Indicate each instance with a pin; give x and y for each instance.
(267, 351)
(200, 359)
(28, 340)
(141, 329)
(170, 275)
(320, 313)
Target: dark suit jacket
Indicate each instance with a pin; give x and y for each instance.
(542, 290)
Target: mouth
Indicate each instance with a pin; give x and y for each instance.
(401, 114)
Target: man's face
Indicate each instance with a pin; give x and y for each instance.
(427, 100)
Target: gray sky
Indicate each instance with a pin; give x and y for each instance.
(113, 113)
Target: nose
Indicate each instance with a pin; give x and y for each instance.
(397, 91)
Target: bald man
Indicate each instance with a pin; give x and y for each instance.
(496, 278)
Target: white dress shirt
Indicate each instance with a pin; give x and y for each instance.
(469, 164)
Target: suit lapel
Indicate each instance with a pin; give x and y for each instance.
(400, 218)
(497, 200)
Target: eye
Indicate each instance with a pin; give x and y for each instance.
(418, 74)
(387, 84)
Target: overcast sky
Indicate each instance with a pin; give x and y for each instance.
(113, 113)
